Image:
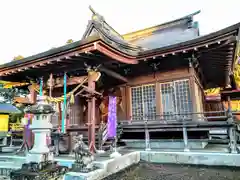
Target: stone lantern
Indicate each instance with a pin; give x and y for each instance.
(40, 163)
(41, 127)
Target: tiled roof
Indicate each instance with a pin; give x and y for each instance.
(6, 108)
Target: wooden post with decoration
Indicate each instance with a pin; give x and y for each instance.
(93, 76)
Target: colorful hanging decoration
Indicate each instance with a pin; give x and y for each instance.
(112, 117)
(61, 99)
(236, 71)
(28, 118)
(9, 85)
(212, 92)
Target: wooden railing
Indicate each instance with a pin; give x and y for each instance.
(226, 123)
(188, 116)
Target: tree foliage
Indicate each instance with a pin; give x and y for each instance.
(18, 57)
(8, 94)
(69, 41)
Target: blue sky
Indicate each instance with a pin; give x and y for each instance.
(31, 26)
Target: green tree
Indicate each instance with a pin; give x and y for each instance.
(69, 41)
(17, 58)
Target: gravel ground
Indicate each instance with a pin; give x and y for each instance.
(145, 171)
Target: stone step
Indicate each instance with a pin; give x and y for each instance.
(17, 140)
(10, 149)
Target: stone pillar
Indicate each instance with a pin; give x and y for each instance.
(41, 127)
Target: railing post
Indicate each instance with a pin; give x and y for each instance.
(147, 138)
(232, 130)
(233, 142)
(185, 139)
(185, 136)
(100, 134)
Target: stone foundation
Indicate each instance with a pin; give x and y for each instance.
(194, 158)
(166, 144)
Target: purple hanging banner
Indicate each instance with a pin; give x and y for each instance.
(112, 116)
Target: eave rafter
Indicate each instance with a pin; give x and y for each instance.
(67, 56)
(193, 47)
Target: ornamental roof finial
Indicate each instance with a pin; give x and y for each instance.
(95, 15)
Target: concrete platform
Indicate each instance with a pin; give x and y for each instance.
(107, 167)
(211, 156)
(192, 158)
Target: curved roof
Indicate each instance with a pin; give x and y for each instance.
(101, 43)
(6, 108)
(172, 32)
(212, 37)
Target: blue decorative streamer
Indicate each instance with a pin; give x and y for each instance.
(41, 87)
(64, 103)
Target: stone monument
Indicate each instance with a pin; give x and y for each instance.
(83, 157)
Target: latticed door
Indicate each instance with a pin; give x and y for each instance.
(168, 100)
(176, 100)
(183, 97)
(143, 102)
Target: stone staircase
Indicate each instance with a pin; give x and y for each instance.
(105, 146)
(101, 140)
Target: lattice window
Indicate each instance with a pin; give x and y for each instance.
(176, 99)
(143, 102)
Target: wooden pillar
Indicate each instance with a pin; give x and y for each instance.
(129, 104)
(124, 102)
(28, 135)
(193, 91)
(159, 112)
(60, 114)
(92, 78)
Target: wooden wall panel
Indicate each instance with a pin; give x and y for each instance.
(75, 112)
(159, 77)
(123, 103)
(149, 79)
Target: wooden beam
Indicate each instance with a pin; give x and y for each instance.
(58, 82)
(91, 90)
(71, 81)
(62, 67)
(113, 74)
(22, 100)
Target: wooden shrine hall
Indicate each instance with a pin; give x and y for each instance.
(155, 73)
